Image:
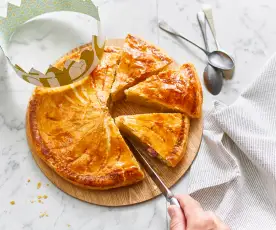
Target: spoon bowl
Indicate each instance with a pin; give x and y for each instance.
(221, 60)
(213, 79)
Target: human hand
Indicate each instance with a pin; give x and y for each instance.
(192, 216)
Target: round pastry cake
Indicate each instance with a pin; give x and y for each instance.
(73, 131)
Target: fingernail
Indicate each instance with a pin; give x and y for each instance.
(171, 211)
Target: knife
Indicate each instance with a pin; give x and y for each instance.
(138, 152)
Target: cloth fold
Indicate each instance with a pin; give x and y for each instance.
(234, 173)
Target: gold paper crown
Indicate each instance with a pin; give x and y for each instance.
(73, 70)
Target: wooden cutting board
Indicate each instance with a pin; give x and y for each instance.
(141, 191)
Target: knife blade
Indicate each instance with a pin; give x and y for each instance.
(138, 153)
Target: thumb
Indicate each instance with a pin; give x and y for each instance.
(177, 218)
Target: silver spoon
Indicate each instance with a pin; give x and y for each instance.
(212, 76)
(207, 9)
(218, 59)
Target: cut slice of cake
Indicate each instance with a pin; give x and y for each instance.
(165, 134)
(171, 90)
(139, 60)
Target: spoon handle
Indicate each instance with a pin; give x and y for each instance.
(202, 23)
(164, 26)
(207, 9)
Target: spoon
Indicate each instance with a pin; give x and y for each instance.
(207, 9)
(218, 59)
(212, 76)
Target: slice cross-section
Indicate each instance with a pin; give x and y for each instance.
(165, 134)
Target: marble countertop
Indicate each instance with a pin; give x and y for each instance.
(244, 28)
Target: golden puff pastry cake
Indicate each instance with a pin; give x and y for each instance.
(172, 90)
(165, 134)
(68, 128)
(139, 60)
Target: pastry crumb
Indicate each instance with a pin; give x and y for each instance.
(39, 197)
(47, 185)
(38, 185)
(43, 214)
(40, 201)
(32, 201)
(68, 225)
(28, 180)
(12, 202)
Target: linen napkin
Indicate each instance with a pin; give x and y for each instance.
(234, 173)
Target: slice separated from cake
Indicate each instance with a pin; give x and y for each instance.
(171, 90)
(165, 134)
(139, 60)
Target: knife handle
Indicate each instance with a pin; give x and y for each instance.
(174, 201)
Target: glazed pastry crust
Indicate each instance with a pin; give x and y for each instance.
(139, 60)
(172, 90)
(104, 74)
(166, 134)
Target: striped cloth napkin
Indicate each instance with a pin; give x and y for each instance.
(235, 171)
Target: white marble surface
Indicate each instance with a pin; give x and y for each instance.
(245, 28)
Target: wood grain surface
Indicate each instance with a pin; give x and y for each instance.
(141, 191)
